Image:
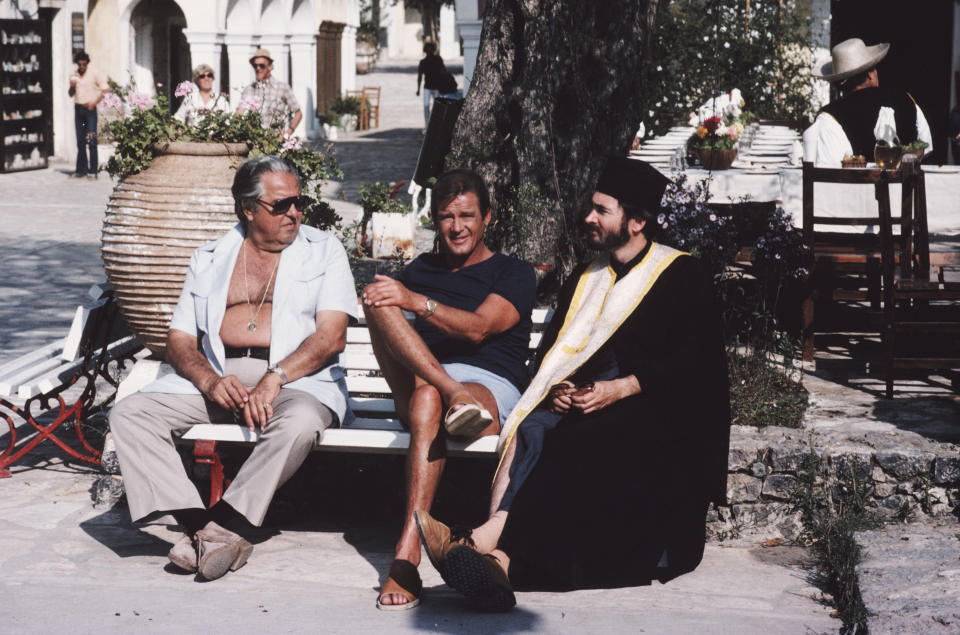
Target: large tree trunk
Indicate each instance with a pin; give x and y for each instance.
(556, 90)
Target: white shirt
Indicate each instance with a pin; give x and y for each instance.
(189, 111)
(825, 143)
(313, 275)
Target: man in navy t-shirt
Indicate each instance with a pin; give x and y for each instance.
(460, 368)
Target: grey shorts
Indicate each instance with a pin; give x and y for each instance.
(505, 393)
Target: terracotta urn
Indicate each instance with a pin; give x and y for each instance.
(717, 159)
(156, 219)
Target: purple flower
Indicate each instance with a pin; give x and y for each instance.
(292, 143)
(250, 104)
(660, 219)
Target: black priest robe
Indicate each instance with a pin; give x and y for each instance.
(619, 497)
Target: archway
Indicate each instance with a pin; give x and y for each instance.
(160, 56)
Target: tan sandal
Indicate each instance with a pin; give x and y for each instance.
(469, 420)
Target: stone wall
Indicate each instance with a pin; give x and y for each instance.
(901, 473)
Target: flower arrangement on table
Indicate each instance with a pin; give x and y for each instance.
(718, 126)
(147, 123)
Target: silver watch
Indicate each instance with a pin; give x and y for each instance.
(276, 368)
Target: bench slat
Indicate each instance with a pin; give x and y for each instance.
(65, 371)
(376, 385)
(372, 404)
(22, 369)
(361, 440)
(359, 361)
(358, 337)
(28, 377)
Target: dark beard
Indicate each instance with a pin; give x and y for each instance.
(611, 241)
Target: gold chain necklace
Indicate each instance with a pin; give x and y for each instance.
(252, 324)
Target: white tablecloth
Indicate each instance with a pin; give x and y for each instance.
(785, 186)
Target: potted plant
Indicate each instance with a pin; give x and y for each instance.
(343, 115)
(393, 226)
(715, 142)
(917, 148)
(174, 195)
(368, 45)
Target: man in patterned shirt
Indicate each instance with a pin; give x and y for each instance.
(273, 99)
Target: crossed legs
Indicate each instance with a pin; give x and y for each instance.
(421, 390)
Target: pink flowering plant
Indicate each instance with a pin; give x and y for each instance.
(147, 123)
(184, 88)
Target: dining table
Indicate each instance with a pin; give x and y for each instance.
(768, 168)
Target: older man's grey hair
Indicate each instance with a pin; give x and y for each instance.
(248, 182)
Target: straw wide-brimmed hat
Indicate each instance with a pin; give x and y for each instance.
(851, 57)
(261, 53)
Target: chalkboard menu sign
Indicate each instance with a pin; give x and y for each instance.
(77, 39)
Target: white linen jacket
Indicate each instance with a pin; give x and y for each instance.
(313, 275)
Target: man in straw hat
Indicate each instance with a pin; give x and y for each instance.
(615, 450)
(273, 99)
(846, 126)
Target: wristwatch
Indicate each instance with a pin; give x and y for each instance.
(276, 368)
(430, 310)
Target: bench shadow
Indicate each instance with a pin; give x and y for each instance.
(114, 530)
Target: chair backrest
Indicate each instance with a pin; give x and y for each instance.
(372, 95)
(875, 230)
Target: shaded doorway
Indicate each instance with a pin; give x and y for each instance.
(160, 53)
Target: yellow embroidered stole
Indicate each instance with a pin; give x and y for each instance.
(596, 311)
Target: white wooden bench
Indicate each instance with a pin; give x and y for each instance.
(376, 428)
(39, 379)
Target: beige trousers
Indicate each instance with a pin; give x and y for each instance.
(143, 426)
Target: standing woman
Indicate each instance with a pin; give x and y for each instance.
(203, 98)
(430, 69)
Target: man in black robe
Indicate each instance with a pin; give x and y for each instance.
(623, 433)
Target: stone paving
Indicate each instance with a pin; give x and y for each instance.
(321, 574)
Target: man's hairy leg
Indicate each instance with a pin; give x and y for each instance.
(399, 341)
(426, 459)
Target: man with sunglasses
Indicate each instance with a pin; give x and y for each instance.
(254, 341)
(273, 99)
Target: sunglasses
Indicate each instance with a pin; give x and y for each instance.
(205, 75)
(259, 66)
(282, 206)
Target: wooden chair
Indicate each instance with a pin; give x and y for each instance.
(921, 305)
(888, 271)
(371, 96)
(844, 279)
(363, 119)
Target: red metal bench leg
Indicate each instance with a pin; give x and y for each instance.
(45, 432)
(205, 452)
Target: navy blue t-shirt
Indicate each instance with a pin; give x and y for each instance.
(504, 354)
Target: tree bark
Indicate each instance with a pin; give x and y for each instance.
(556, 90)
